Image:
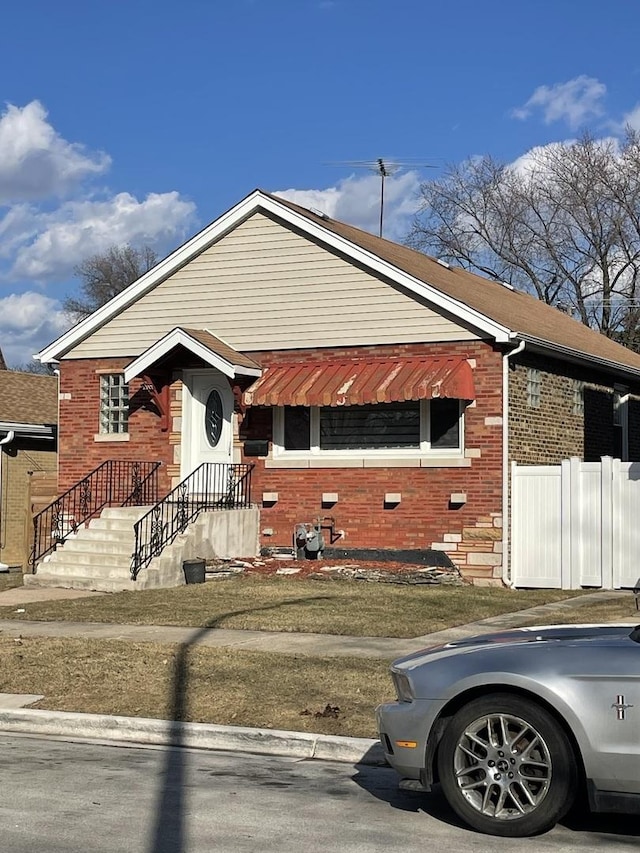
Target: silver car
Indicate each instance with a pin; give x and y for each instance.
(513, 725)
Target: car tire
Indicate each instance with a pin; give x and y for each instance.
(506, 766)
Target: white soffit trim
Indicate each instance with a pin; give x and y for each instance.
(178, 337)
(245, 208)
(579, 355)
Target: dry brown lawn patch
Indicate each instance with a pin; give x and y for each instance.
(204, 685)
(342, 607)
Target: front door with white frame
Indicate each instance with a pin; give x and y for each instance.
(207, 413)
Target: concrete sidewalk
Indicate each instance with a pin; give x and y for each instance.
(304, 644)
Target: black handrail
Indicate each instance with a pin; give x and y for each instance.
(212, 486)
(115, 482)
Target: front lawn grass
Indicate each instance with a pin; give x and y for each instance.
(355, 608)
(241, 688)
(620, 609)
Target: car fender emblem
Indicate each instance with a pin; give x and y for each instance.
(621, 707)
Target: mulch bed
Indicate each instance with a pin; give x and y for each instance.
(364, 570)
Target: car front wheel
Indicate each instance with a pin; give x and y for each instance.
(506, 766)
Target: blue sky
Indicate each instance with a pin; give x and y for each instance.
(139, 121)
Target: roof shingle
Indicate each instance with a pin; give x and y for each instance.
(28, 398)
(517, 311)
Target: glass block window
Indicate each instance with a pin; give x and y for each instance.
(114, 404)
(534, 387)
(578, 397)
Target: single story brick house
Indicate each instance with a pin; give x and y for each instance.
(28, 437)
(370, 385)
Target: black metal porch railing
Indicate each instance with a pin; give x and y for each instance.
(212, 486)
(115, 482)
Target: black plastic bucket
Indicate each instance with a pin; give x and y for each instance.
(193, 571)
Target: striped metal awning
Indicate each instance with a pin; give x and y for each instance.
(353, 383)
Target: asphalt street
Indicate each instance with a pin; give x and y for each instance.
(93, 798)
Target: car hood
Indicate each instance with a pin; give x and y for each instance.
(587, 635)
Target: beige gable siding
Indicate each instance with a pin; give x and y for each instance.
(265, 287)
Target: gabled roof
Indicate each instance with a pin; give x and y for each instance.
(495, 310)
(28, 398)
(200, 342)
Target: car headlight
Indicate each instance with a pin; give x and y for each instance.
(404, 691)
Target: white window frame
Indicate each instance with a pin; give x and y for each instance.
(106, 408)
(423, 450)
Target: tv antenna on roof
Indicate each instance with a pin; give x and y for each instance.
(385, 167)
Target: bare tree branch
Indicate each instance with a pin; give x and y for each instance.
(562, 223)
(105, 275)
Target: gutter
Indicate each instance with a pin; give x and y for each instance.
(506, 568)
(6, 440)
(579, 356)
(28, 430)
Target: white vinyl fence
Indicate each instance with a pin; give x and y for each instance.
(576, 524)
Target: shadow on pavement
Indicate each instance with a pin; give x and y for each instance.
(603, 826)
(382, 783)
(168, 834)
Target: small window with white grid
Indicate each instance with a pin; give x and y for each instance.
(114, 404)
(578, 397)
(534, 385)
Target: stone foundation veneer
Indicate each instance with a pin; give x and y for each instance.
(477, 551)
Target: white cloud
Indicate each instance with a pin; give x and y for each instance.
(572, 102)
(632, 118)
(35, 161)
(27, 321)
(356, 200)
(47, 246)
(540, 156)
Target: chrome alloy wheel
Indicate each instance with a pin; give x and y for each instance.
(502, 766)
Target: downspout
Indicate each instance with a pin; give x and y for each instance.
(6, 440)
(506, 569)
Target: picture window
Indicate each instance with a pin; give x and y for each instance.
(400, 427)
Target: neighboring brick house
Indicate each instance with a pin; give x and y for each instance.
(367, 382)
(28, 426)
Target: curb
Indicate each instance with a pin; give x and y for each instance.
(138, 730)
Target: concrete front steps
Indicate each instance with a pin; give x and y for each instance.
(98, 557)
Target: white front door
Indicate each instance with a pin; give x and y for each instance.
(207, 413)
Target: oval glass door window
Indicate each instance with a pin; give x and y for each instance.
(213, 418)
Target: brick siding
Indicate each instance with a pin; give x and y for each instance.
(424, 516)
(79, 452)
(553, 432)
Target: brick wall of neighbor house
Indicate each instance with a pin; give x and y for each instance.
(424, 518)
(556, 431)
(17, 463)
(79, 452)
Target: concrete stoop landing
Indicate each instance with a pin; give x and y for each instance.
(98, 557)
